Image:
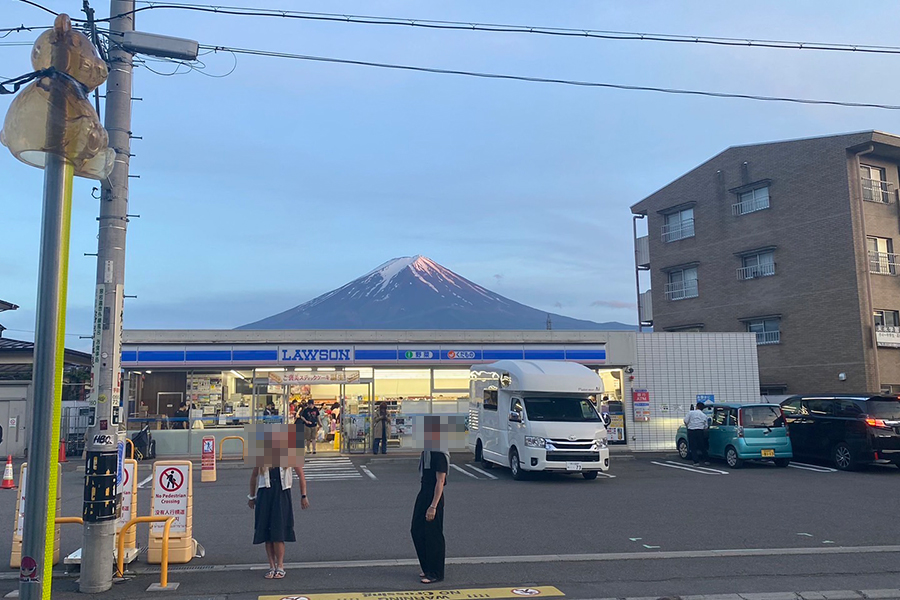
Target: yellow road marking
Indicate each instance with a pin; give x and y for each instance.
(432, 594)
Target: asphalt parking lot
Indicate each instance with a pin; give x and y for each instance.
(807, 526)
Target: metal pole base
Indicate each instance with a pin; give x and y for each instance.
(171, 587)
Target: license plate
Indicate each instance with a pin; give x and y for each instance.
(573, 466)
(768, 453)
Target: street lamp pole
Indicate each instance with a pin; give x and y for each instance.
(100, 500)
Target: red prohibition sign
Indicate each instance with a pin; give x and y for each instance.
(171, 479)
(124, 476)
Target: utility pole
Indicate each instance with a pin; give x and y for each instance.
(100, 482)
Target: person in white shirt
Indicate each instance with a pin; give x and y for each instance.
(697, 424)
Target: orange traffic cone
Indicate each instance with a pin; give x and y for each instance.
(8, 482)
(62, 451)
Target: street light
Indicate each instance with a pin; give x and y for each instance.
(52, 125)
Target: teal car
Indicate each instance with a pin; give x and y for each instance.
(739, 432)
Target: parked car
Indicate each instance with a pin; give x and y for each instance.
(848, 429)
(739, 432)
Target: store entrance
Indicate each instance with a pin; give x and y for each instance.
(612, 402)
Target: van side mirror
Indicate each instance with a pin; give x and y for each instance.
(515, 416)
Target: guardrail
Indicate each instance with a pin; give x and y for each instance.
(233, 437)
(130, 443)
(164, 561)
(63, 520)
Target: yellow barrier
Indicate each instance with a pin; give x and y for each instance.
(233, 437)
(130, 443)
(164, 563)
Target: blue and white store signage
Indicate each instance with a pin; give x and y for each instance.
(228, 356)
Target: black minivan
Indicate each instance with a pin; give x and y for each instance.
(847, 429)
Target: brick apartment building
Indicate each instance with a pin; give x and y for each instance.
(794, 241)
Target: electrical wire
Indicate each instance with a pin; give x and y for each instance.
(43, 8)
(571, 82)
(501, 28)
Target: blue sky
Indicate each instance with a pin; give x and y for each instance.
(286, 179)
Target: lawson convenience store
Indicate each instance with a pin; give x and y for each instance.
(230, 377)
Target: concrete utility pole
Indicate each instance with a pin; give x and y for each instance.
(100, 499)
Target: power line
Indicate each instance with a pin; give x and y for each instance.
(43, 8)
(571, 82)
(505, 28)
(501, 28)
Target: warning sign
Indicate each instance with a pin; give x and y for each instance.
(435, 594)
(127, 488)
(209, 454)
(171, 485)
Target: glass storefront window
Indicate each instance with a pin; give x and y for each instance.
(451, 379)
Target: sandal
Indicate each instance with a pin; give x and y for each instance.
(279, 574)
(428, 580)
(270, 574)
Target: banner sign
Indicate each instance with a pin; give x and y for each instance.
(312, 377)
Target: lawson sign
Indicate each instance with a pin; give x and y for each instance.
(315, 354)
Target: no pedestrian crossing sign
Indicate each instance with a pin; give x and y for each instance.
(171, 490)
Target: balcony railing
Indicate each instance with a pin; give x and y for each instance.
(646, 307)
(678, 231)
(768, 337)
(752, 272)
(883, 263)
(875, 190)
(642, 251)
(682, 290)
(749, 206)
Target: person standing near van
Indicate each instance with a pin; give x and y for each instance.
(381, 427)
(697, 424)
(428, 514)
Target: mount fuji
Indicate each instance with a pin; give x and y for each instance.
(417, 293)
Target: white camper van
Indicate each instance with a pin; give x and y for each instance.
(536, 415)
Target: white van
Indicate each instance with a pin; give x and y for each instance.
(537, 415)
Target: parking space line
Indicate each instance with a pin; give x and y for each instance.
(463, 471)
(482, 471)
(607, 475)
(366, 470)
(814, 468)
(691, 469)
(717, 471)
(145, 482)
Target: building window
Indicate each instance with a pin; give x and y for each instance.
(768, 331)
(679, 225)
(751, 201)
(760, 264)
(882, 260)
(887, 318)
(682, 284)
(692, 328)
(773, 390)
(875, 187)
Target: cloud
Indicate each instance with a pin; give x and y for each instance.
(614, 304)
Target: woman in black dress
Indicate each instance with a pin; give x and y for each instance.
(270, 497)
(428, 516)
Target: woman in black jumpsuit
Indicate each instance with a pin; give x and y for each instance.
(428, 516)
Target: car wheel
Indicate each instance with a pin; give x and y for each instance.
(514, 465)
(589, 475)
(683, 449)
(843, 458)
(782, 462)
(731, 457)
